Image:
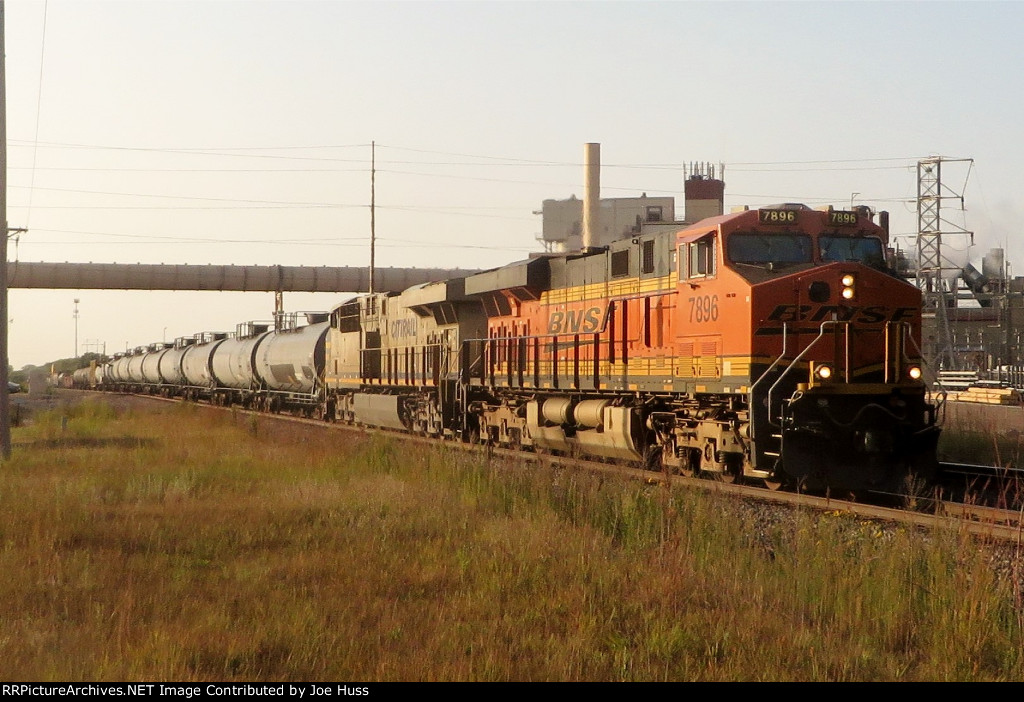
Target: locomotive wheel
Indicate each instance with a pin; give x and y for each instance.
(773, 483)
(776, 482)
(690, 468)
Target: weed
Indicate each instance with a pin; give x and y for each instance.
(218, 549)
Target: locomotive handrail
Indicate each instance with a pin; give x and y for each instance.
(515, 365)
(785, 344)
(893, 374)
(940, 406)
(799, 357)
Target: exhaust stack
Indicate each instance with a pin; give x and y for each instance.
(591, 195)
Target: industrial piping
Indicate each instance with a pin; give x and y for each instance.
(142, 276)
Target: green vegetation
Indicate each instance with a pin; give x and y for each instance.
(182, 543)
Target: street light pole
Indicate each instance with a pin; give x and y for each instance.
(76, 328)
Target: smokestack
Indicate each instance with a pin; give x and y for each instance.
(591, 195)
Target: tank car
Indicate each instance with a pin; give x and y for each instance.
(196, 365)
(133, 367)
(115, 372)
(232, 361)
(771, 344)
(171, 375)
(289, 363)
(84, 378)
(150, 364)
(265, 365)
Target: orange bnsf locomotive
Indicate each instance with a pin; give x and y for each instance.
(770, 344)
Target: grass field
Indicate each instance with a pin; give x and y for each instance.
(180, 543)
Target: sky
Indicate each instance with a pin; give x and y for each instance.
(239, 132)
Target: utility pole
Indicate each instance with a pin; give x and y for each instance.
(76, 328)
(373, 202)
(5, 394)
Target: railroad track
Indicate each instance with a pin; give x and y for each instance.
(973, 471)
(918, 511)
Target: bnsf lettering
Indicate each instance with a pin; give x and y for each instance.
(821, 313)
(585, 321)
(403, 328)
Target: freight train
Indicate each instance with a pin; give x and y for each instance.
(772, 345)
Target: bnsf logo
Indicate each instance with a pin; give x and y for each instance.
(588, 321)
(861, 315)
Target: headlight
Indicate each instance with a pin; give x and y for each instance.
(824, 371)
(848, 281)
(914, 372)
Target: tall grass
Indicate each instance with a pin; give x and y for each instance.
(187, 544)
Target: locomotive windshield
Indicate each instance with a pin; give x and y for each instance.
(775, 248)
(867, 250)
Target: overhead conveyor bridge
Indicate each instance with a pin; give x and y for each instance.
(144, 276)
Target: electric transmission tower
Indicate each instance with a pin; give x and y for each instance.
(937, 276)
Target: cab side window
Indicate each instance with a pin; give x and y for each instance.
(702, 257)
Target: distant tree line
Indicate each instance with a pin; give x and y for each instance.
(63, 365)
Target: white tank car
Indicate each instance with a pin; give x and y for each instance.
(195, 363)
(291, 360)
(233, 360)
(170, 362)
(151, 363)
(113, 372)
(134, 366)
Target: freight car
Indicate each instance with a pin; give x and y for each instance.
(263, 365)
(772, 345)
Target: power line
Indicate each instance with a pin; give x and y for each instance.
(111, 169)
(194, 152)
(194, 197)
(39, 103)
